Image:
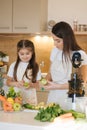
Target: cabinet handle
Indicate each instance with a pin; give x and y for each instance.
(4, 27)
(21, 27)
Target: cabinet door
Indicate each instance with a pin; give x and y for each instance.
(27, 16)
(5, 16)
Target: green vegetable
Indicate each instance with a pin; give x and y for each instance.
(49, 113)
(28, 106)
(54, 110)
(11, 92)
(77, 114)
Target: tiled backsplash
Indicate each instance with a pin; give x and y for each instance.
(43, 47)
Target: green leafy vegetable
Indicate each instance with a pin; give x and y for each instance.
(77, 114)
(49, 113)
(12, 93)
(28, 106)
(52, 111)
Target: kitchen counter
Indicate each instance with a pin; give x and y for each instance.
(20, 120)
(24, 120)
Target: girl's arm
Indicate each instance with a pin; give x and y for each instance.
(11, 82)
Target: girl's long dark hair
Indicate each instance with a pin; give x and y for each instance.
(32, 63)
(63, 30)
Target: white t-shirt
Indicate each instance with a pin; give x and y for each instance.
(29, 95)
(20, 71)
(61, 71)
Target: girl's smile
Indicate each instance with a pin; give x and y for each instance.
(25, 55)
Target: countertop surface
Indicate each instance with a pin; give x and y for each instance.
(24, 120)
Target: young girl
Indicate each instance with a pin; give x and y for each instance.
(25, 70)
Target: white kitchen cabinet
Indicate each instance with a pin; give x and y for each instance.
(29, 15)
(23, 16)
(5, 16)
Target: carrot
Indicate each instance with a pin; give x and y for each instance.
(66, 115)
(2, 98)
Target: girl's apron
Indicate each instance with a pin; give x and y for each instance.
(60, 74)
(28, 95)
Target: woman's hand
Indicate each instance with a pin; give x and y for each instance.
(53, 86)
(50, 85)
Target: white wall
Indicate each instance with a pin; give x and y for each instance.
(68, 10)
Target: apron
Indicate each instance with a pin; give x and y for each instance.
(59, 75)
(28, 95)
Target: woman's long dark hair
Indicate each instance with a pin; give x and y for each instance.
(63, 30)
(32, 63)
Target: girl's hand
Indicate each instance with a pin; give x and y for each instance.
(31, 85)
(35, 85)
(18, 84)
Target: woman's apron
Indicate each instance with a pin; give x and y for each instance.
(60, 74)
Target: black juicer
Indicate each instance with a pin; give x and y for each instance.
(76, 82)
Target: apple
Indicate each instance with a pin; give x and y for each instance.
(17, 106)
(26, 84)
(43, 81)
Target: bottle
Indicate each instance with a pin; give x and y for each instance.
(75, 25)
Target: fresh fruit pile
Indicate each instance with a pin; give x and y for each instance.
(12, 101)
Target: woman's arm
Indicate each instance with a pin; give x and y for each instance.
(48, 76)
(83, 71)
(55, 86)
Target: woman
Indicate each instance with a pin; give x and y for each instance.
(61, 65)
